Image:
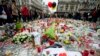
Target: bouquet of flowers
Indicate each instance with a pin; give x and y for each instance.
(22, 37)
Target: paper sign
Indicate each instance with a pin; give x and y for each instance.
(60, 52)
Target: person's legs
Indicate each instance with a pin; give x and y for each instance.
(24, 18)
(99, 20)
(34, 17)
(9, 19)
(4, 21)
(14, 18)
(95, 19)
(0, 21)
(30, 17)
(27, 19)
(19, 17)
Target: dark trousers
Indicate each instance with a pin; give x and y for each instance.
(9, 19)
(19, 18)
(94, 19)
(31, 18)
(2, 21)
(14, 17)
(25, 18)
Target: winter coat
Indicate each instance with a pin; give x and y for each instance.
(14, 10)
(1, 9)
(25, 11)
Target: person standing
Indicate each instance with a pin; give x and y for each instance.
(36, 14)
(3, 16)
(94, 15)
(1, 20)
(19, 15)
(25, 13)
(31, 14)
(14, 11)
(98, 17)
(85, 16)
(9, 14)
(98, 13)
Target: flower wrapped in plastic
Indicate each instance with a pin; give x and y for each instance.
(21, 37)
(19, 25)
(50, 32)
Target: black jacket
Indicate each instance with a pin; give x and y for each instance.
(1, 9)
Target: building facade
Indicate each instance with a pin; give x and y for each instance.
(76, 5)
(45, 7)
(32, 4)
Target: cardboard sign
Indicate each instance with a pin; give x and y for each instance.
(59, 52)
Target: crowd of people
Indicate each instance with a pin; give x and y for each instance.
(93, 15)
(10, 12)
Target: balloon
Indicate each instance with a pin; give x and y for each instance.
(53, 4)
(53, 8)
(49, 4)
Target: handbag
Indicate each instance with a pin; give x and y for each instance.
(3, 16)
